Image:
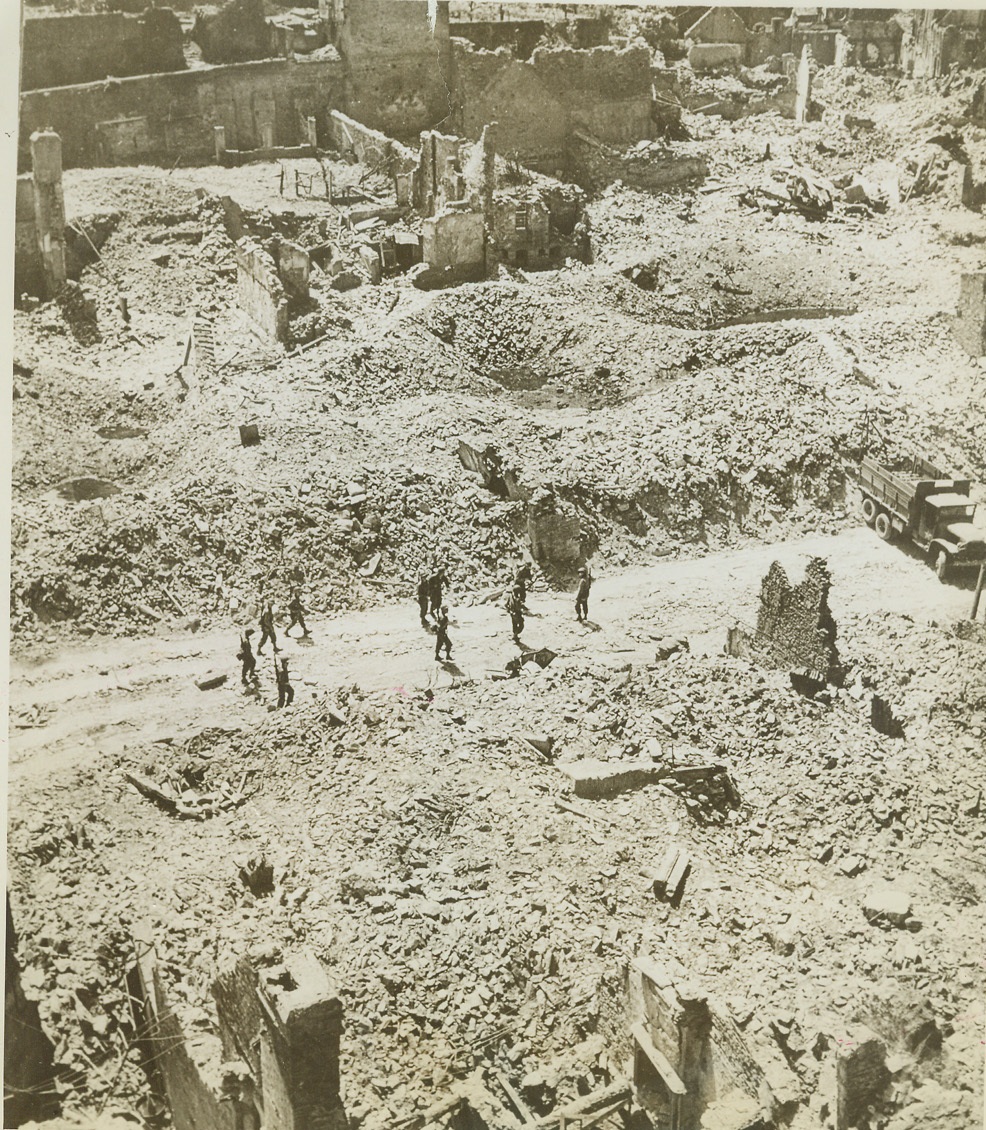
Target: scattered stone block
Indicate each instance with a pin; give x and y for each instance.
(852, 866)
(543, 743)
(249, 435)
(595, 779)
(211, 681)
(669, 646)
(887, 906)
(669, 877)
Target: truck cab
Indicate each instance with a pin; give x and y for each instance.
(947, 526)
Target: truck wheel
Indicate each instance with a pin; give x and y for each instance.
(941, 565)
(884, 529)
(869, 511)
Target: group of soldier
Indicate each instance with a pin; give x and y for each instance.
(433, 581)
(431, 587)
(268, 632)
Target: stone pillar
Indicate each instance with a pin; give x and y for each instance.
(487, 143)
(311, 132)
(402, 184)
(49, 207)
(299, 1047)
(219, 137)
(802, 104)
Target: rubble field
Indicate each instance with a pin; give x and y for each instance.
(473, 853)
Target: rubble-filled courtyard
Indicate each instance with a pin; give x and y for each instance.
(326, 313)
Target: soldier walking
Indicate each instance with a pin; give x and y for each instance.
(267, 627)
(439, 579)
(424, 596)
(582, 595)
(247, 658)
(285, 692)
(442, 640)
(522, 578)
(515, 606)
(297, 612)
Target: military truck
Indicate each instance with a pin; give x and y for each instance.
(914, 499)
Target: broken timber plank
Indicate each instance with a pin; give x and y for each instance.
(514, 1097)
(149, 789)
(670, 1077)
(608, 1100)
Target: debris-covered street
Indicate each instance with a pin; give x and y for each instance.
(326, 812)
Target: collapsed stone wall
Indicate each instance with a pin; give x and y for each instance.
(795, 627)
(276, 1058)
(63, 50)
(260, 292)
(170, 117)
(369, 146)
(595, 166)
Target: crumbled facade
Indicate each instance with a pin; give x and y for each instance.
(795, 628)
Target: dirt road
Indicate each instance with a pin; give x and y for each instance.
(111, 694)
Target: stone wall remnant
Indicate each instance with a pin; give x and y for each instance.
(28, 1054)
(398, 63)
(719, 25)
(370, 146)
(802, 105)
(795, 627)
(63, 50)
(686, 1055)
(46, 220)
(521, 226)
(539, 104)
(454, 243)
(275, 1060)
(259, 290)
(861, 1078)
(161, 119)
